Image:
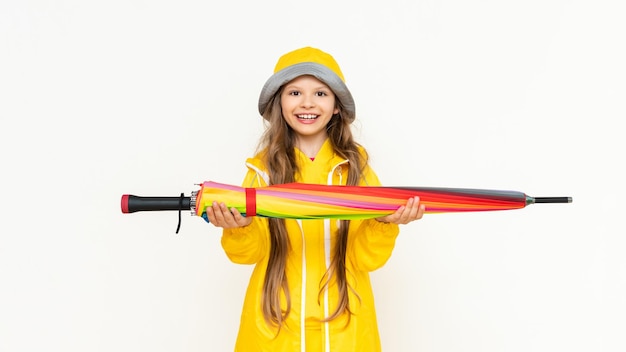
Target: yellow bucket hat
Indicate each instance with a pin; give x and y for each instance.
(308, 61)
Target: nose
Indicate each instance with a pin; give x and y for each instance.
(308, 101)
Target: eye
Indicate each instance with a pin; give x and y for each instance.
(321, 94)
(294, 93)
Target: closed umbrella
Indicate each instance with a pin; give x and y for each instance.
(314, 201)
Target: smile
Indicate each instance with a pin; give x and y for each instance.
(308, 116)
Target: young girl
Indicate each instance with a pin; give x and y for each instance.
(310, 289)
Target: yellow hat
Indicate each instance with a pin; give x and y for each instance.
(307, 61)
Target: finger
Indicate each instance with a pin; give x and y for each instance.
(229, 219)
(421, 211)
(240, 220)
(415, 208)
(405, 216)
(219, 214)
(397, 216)
(236, 214)
(211, 215)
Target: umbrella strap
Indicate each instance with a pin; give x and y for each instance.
(250, 202)
(180, 210)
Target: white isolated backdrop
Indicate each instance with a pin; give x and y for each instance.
(99, 99)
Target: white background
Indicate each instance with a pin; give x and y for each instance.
(103, 98)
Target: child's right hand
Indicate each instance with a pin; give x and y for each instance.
(412, 211)
(220, 216)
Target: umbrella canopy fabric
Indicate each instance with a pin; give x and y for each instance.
(313, 201)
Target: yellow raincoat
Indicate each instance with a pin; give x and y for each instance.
(370, 244)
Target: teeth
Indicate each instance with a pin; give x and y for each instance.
(307, 116)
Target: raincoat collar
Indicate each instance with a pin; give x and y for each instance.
(324, 163)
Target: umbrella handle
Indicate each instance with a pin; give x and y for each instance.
(131, 203)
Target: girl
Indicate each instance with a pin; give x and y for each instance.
(310, 289)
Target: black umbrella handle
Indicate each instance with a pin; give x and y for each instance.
(132, 203)
(552, 200)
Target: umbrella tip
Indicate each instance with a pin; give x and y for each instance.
(552, 200)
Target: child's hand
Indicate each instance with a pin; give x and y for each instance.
(220, 216)
(405, 214)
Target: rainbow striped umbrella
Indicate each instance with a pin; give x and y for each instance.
(313, 201)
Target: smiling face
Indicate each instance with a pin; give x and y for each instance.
(308, 105)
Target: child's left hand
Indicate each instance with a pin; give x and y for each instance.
(405, 214)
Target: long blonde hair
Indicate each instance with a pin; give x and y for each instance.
(278, 141)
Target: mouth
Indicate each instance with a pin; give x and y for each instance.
(307, 116)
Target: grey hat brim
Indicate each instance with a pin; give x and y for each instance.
(316, 70)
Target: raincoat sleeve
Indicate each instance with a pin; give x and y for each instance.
(371, 245)
(248, 244)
